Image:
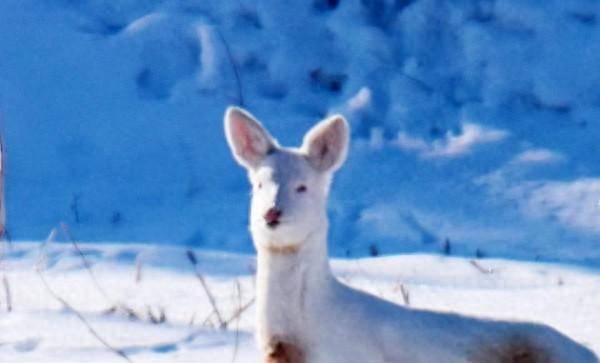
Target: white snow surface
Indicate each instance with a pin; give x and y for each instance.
(473, 121)
(142, 278)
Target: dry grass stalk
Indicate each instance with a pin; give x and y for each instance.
(192, 320)
(2, 206)
(400, 287)
(138, 271)
(3, 231)
(240, 310)
(129, 312)
(234, 66)
(207, 322)
(68, 306)
(85, 261)
(483, 270)
(89, 327)
(41, 262)
(405, 294)
(156, 319)
(7, 293)
(238, 289)
(194, 261)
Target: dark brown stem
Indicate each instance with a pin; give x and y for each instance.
(234, 66)
(71, 309)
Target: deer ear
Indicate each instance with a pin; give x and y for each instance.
(247, 138)
(326, 144)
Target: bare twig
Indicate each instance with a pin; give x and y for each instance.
(3, 230)
(129, 312)
(208, 321)
(447, 247)
(110, 311)
(238, 289)
(138, 271)
(7, 293)
(68, 306)
(154, 319)
(192, 320)
(194, 261)
(92, 331)
(405, 294)
(483, 270)
(126, 311)
(41, 262)
(233, 66)
(85, 261)
(75, 207)
(240, 310)
(2, 205)
(7, 236)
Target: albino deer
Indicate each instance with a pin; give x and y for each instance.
(305, 315)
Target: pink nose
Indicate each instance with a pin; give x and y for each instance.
(272, 217)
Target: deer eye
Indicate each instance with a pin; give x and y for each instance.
(301, 188)
(259, 186)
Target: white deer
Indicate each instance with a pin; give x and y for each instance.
(305, 315)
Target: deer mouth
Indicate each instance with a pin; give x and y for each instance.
(273, 224)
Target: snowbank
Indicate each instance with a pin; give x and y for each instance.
(112, 117)
(133, 284)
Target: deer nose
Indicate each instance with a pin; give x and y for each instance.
(272, 217)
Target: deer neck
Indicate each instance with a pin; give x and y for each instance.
(289, 281)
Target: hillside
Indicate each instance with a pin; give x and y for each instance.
(474, 122)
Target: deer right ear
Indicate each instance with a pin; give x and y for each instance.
(326, 144)
(247, 138)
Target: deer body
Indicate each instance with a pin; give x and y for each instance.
(305, 315)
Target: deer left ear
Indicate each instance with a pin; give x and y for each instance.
(250, 143)
(326, 144)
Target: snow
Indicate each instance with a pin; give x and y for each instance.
(567, 202)
(142, 277)
(538, 156)
(452, 145)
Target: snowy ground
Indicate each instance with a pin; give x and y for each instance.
(146, 277)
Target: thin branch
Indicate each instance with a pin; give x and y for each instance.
(238, 289)
(194, 261)
(3, 231)
(7, 236)
(236, 72)
(129, 312)
(483, 270)
(240, 311)
(41, 262)
(192, 320)
(75, 207)
(2, 201)
(207, 320)
(400, 287)
(86, 263)
(92, 331)
(7, 293)
(138, 271)
(156, 319)
(405, 294)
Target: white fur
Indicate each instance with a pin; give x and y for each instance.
(300, 302)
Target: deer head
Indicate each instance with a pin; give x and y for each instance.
(289, 185)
